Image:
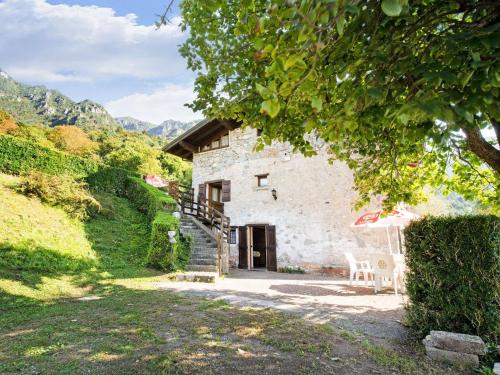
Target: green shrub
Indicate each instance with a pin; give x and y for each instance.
(19, 156)
(110, 180)
(291, 269)
(453, 281)
(60, 191)
(161, 252)
(147, 198)
(158, 206)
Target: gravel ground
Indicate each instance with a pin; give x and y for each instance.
(316, 298)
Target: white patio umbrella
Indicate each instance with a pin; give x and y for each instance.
(398, 218)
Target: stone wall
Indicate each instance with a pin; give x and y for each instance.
(313, 211)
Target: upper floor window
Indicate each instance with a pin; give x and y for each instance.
(262, 180)
(217, 143)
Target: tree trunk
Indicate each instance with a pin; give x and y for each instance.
(483, 149)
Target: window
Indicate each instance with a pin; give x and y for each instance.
(232, 239)
(262, 180)
(215, 144)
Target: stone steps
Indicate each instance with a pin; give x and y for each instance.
(203, 249)
(201, 268)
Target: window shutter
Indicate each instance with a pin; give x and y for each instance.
(271, 248)
(242, 248)
(226, 191)
(202, 194)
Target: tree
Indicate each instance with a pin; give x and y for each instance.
(136, 156)
(404, 92)
(71, 139)
(7, 123)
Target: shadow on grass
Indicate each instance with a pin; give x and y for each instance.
(119, 239)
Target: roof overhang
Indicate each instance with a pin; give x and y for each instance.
(199, 135)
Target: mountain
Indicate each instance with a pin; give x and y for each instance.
(167, 129)
(134, 125)
(39, 105)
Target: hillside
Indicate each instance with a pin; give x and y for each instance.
(167, 129)
(39, 105)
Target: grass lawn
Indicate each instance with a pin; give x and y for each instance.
(75, 298)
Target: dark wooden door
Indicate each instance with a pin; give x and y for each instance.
(272, 264)
(242, 248)
(215, 197)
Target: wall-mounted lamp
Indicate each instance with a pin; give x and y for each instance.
(275, 195)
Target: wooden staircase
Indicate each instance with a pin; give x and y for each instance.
(209, 230)
(203, 246)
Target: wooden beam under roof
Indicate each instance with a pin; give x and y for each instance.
(188, 146)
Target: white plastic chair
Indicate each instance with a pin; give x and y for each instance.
(399, 260)
(384, 267)
(358, 267)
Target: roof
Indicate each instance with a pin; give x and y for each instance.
(198, 136)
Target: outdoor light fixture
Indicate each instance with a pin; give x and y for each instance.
(273, 192)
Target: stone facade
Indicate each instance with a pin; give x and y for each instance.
(313, 210)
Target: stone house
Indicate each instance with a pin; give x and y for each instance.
(285, 209)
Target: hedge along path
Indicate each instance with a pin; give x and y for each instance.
(453, 282)
(19, 156)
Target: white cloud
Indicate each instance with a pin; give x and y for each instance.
(162, 104)
(52, 43)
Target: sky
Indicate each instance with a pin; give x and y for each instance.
(108, 51)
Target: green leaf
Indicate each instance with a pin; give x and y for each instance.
(263, 91)
(340, 24)
(392, 8)
(317, 104)
(292, 60)
(270, 107)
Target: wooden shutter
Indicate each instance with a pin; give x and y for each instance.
(243, 248)
(202, 193)
(226, 191)
(272, 264)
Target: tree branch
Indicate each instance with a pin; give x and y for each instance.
(483, 149)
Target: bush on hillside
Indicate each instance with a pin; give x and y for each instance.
(111, 180)
(176, 168)
(73, 140)
(19, 156)
(61, 191)
(453, 281)
(147, 198)
(135, 156)
(7, 123)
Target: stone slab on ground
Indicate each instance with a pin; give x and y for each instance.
(453, 358)
(200, 277)
(458, 342)
(496, 368)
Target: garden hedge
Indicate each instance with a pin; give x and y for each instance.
(158, 207)
(147, 198)
(453, 282)
(162, 254)
(20, 156)
(111, 180)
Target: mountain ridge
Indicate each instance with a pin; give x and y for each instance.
(37, 104)
(41, 105)
(167, 129)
